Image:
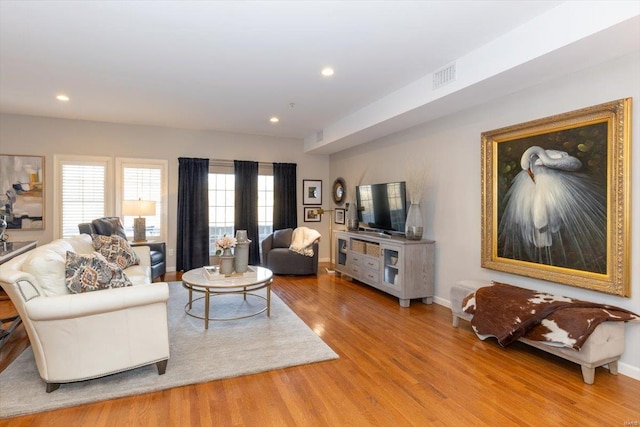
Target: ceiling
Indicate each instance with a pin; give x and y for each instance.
(231, 65)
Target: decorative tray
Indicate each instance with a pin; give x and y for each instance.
(212, 272)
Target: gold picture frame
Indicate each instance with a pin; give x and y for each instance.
(22, 192)
(556, 198)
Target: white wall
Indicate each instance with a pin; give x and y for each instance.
(27, 135)
(451, 204)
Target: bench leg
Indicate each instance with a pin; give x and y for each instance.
(613, 367)
(456, 321)
(588, 374)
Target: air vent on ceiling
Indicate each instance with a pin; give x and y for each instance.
(444, 76)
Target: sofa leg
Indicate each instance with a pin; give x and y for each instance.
(162, 366)
(52, 387)
(588, 374)
(613, 367)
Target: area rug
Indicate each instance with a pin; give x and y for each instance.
(227, 349)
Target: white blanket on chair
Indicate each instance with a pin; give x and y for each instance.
(303, 239)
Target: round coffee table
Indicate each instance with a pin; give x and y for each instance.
(213, 284)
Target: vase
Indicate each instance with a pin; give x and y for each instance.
(352, 217)
(226, 262)
(242, 256)
(241, 236)
(413, 227)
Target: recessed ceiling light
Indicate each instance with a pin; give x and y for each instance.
(274, 119)
(327, 71)
(62, 97)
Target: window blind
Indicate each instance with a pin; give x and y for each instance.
(83, 195)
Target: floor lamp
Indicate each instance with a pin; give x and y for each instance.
(321, 211)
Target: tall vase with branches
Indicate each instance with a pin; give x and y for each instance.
(416, 181)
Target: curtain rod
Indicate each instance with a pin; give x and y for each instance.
(221, 162)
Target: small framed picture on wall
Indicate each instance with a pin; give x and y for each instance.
(339, 216)
(311, 215)
(311, 192)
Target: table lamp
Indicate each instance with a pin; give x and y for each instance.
(139, 208)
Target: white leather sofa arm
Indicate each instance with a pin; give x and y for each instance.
(97, 302)
(12, 276)
(144, 253)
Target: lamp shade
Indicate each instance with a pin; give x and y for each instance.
(138, 207)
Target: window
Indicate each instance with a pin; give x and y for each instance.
(81, 191)
(84, 190)
(265, 206)
(142, 179)
(222, 201)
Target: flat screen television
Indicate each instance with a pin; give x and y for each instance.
(383, 206)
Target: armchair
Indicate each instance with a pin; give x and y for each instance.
(111, 225)
(277, 257)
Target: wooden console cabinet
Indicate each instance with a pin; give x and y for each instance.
(400, 267)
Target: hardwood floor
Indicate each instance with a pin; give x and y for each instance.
(397, 367)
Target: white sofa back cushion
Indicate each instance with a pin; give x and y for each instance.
(82, 244)
(48, 267)
(47, 263)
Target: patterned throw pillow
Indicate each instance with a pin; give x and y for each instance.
(92, 272)
(115, 249)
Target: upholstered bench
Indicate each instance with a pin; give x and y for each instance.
(604, 346)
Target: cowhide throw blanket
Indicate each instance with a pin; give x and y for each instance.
(508, 312)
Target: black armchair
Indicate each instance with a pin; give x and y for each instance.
(277, 257)
(112, 225)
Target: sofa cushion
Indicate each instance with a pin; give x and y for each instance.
(47, 265)
(92, 272)
(60, 247)
(282, 238)
(115, 249)
(139, 274)
(81, 244)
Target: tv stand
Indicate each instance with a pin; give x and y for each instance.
(400, 267)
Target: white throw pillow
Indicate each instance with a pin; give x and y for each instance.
(82, 243)
(48, 267)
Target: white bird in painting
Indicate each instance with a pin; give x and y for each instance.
(553, 214)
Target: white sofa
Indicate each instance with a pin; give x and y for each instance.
(77, 337)
(604, 346)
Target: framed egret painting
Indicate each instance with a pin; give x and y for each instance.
(556, 198)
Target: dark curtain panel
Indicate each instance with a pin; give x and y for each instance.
(285, 202)
(246, 205)
(193, 214)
